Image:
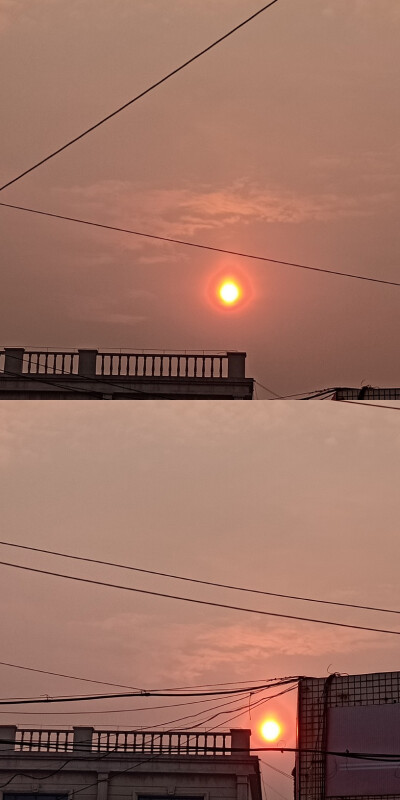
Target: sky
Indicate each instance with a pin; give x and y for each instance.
(283, 141)
(290, 498)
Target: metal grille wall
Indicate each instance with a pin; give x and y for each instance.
(316, 697)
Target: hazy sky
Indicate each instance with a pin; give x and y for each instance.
(290, 498)
(283, 141)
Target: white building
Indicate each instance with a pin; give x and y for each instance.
(127, 765)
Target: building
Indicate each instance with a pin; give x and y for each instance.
(348, 737)
(93, 375)
(127, 765)
(366, 393)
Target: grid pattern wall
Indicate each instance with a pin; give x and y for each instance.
(316, 696)
(368, 393)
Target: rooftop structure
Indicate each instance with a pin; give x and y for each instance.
(143, 765)
(349, 737)
(92, 375)
(366, 393)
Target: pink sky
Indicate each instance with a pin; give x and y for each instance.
(283, 141)
(290, 498)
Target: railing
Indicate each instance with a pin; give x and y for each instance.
(162, 743)
(16, 362)
(44, 741)
(81, 740)
(162, 365)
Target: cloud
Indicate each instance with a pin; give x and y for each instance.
(198, 649)
(187, 213)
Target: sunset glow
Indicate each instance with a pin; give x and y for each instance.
(229, 292)
(270, 730)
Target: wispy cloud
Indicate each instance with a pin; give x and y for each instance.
(198, 649)
(188, 212)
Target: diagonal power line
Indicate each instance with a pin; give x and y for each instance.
(199, 602)
(187, 579)
(199, 246)
(138, 96)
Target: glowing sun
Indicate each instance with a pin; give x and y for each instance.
(229, 292)
(270, 730)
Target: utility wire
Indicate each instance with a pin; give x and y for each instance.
(99, 378)
(113, 710)
(183, 691)
(39, 379)
(386, 758)
(280, 771)
(200, 246)
(272, 789)
(267, 389)
(369, 404)
(78, 698)
(199, 602)
(70, 677)
(139, 96)
(196, 580)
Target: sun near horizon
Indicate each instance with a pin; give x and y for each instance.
(229, 292)
(270, 730)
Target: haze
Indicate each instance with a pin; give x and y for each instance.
(283, 141)
(290, 498)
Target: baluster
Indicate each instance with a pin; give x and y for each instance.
(153, 365)
(119, 364)
(178, 366)
(203, 366)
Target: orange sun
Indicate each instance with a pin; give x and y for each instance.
(270, 730)
(229, 292)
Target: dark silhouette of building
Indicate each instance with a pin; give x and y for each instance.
(93, 375)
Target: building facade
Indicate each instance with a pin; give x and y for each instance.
(127, 765)
(349, 737)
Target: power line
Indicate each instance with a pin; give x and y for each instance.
(369, 404)
(86, 698)
(62, 675)
(199, 602)
(112, 710)
(200, 246)
(104, 380)
(280, 771)
(38, 379)
(267, 389)
(272, 789)
(118, 685)
(182, 691)
(139, 96)
(196, 580)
